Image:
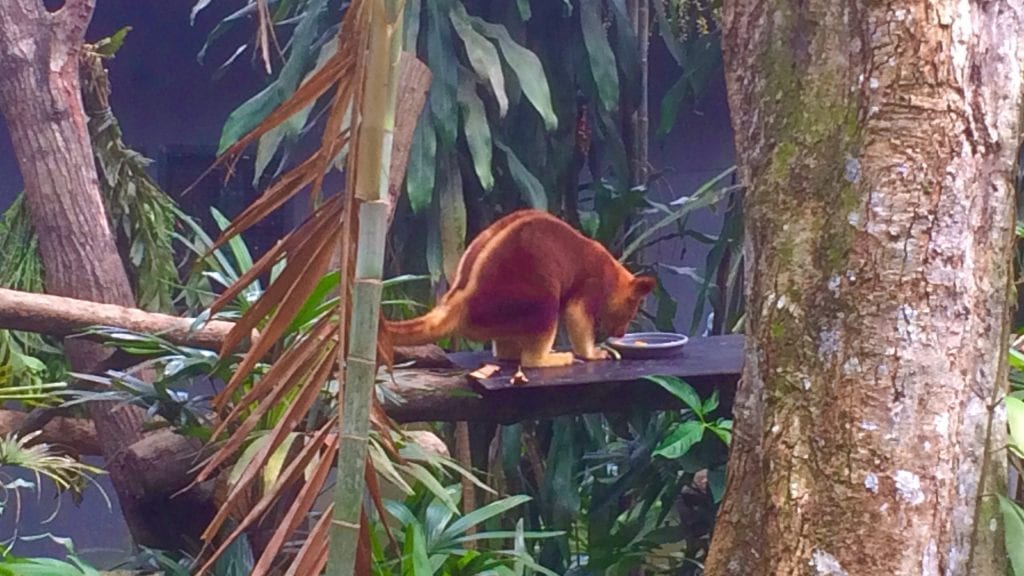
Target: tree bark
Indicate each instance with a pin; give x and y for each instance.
(877, 142)
(41, 101)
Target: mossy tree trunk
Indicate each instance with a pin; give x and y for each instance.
(877, 142)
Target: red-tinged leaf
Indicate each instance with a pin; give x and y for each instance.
(283, 189)
(297, 357)
(373, 487)
(289, 293)
(298, 510)
(241, 434)
(319, 230)
(312, 557)
(293, 415)
(323, 439)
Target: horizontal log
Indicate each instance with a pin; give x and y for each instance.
(59, 316)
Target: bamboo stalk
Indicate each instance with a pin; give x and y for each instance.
(372, 160)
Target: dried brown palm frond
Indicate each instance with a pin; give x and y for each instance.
(285, 394)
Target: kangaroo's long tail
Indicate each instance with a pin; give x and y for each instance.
(426, 329)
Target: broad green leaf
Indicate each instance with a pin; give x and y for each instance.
(478, 132)
(443, 88)
(681, 390)
(422, 169)
(527, 68)
(480, 515)
(716, 483)
(482, 55)
(1016, 358)
(1013, 526)
(599, 51)
(668, 34)
(680, 440)
(1015, 419)
(529, 186)
(711, 403)
(723, 429)
(429, 481)
(437, 518)
(111, 44)
(415, 561)
(453, 215)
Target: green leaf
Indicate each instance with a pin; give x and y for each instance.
(529, 186)
(723, 429)
(111, 44)
(411, 27)
(478, 132)
(524, 9)
(527, 68)
(711, 403)
(480, 515)
(430, 482)
(443, 88)
(420, 174)
(671, 103)
(716, 483)
(415, 561)
(602, 59)
(681, 390)
(289, 130)
(482, 55)
(1016, 359)
(453, 215)
(1013, 524)
(256, 109)
(1015, 419)
(680, 440)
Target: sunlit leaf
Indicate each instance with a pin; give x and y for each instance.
(482, 55)
(681, 390)
(527, 68)
(679, 441)
(1013, 527)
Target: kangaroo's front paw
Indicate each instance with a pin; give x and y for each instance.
(598, 354)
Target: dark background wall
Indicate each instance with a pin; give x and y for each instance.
(168, 103)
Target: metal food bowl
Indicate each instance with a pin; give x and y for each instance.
(649, 344)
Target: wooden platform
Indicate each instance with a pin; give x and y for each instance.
(449, 395)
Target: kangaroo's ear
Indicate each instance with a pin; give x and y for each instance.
(642, 286)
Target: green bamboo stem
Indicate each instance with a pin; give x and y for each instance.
(376, 130)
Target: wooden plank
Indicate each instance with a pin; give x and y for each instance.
(700, 358)
(448, 395)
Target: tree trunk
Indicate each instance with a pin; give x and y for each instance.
(41, 101)
(877, 142)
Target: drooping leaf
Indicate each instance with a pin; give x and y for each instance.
(529, 186)
(443, 66)
(1013, 527)
(453, 215)
(671, 103)
(681, 390)
(1015, 419)
(527, 68)
(482, 55)
(411, 27)
(419, 179)
(477, 130)
(680, 440)
(627, 53)
(251, 113)
(601, 56)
